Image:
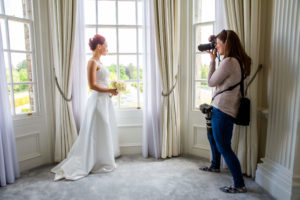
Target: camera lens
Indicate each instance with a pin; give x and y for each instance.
(205, 47)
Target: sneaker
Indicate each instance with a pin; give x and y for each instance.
(209, 169)
(232, 189)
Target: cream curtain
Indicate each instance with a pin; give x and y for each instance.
(167, 23)
(62, 21)
(243, 16)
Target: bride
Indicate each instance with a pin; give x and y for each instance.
(96, 147)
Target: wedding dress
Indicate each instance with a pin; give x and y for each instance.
(97, 145)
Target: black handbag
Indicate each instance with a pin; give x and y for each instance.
(243, 116)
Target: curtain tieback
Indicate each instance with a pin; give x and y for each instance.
(60, 90)
(171, 90)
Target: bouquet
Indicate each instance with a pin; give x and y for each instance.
(119, 85)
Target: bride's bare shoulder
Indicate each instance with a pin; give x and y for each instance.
(93, 65)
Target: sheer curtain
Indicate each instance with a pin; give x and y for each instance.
(244, 18)
(9, 166)
(152, 88)
(62, 16)
(220, 24)
(79, 83)
(167, 28)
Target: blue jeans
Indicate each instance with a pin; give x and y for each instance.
(220, 143)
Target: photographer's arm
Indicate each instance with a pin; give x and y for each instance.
(216, 77)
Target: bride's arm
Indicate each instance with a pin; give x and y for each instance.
(91, 71)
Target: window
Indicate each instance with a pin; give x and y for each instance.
(120, 22)
(16, 20)
(203, 27)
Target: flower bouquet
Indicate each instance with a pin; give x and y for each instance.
(119, 85)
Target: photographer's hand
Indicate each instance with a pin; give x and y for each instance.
(213, 54)
(210, 37)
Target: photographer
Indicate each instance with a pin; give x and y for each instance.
(226, 103)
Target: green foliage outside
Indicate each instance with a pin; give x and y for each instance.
(21, 101)
(20, 75)
(204, 71)
(126, 73)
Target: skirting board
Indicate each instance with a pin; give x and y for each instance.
(275, 181)
(128, 149)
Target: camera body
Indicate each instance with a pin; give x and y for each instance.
(208, 46)
(207, 109)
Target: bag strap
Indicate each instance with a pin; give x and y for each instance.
(232, 87)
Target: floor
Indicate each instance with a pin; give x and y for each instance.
(135, 178)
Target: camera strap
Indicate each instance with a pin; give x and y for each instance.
(232, 87)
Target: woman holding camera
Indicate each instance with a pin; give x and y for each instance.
(226, 104)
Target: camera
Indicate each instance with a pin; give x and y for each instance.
(208, 46)
(207, 109)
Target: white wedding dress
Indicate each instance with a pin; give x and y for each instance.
(97, 145)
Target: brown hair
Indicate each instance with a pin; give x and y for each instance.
(97, 39)
(234, 48)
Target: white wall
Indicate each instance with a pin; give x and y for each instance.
(280, 171)
(130, 131)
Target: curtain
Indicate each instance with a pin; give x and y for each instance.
(62, 21)
(167, 28)
(152, 88)
(9, 166)
(244, 18)
(79, 83)
(219, 25)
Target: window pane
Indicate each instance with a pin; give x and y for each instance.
(127, 12)
(18, 8)
(110, 35)
(19, 35)
(90, 11)
(106, 12)
(141, 65)
(129, 97)
(203, 94)
(202, 34)
(204, 10)
(7, 67)
(141, 46)
(202, 66)
(3, 32)
(10, 102)
(21, 67)
(141, 95)
(128, 69)
(88, 57)
(127, 40)
(24, 98)
(110, 62)
(1, 10)
(140, 12)
(89, 33)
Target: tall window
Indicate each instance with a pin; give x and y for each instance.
(203, 27)
(120, 22)
(16, 20)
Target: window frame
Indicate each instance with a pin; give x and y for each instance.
(138, 52)
(194, 54)
(30, 21)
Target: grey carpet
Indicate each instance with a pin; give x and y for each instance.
(135, 178)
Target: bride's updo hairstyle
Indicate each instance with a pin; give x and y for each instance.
(97, 39)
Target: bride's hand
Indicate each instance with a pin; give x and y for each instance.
(114, 92)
